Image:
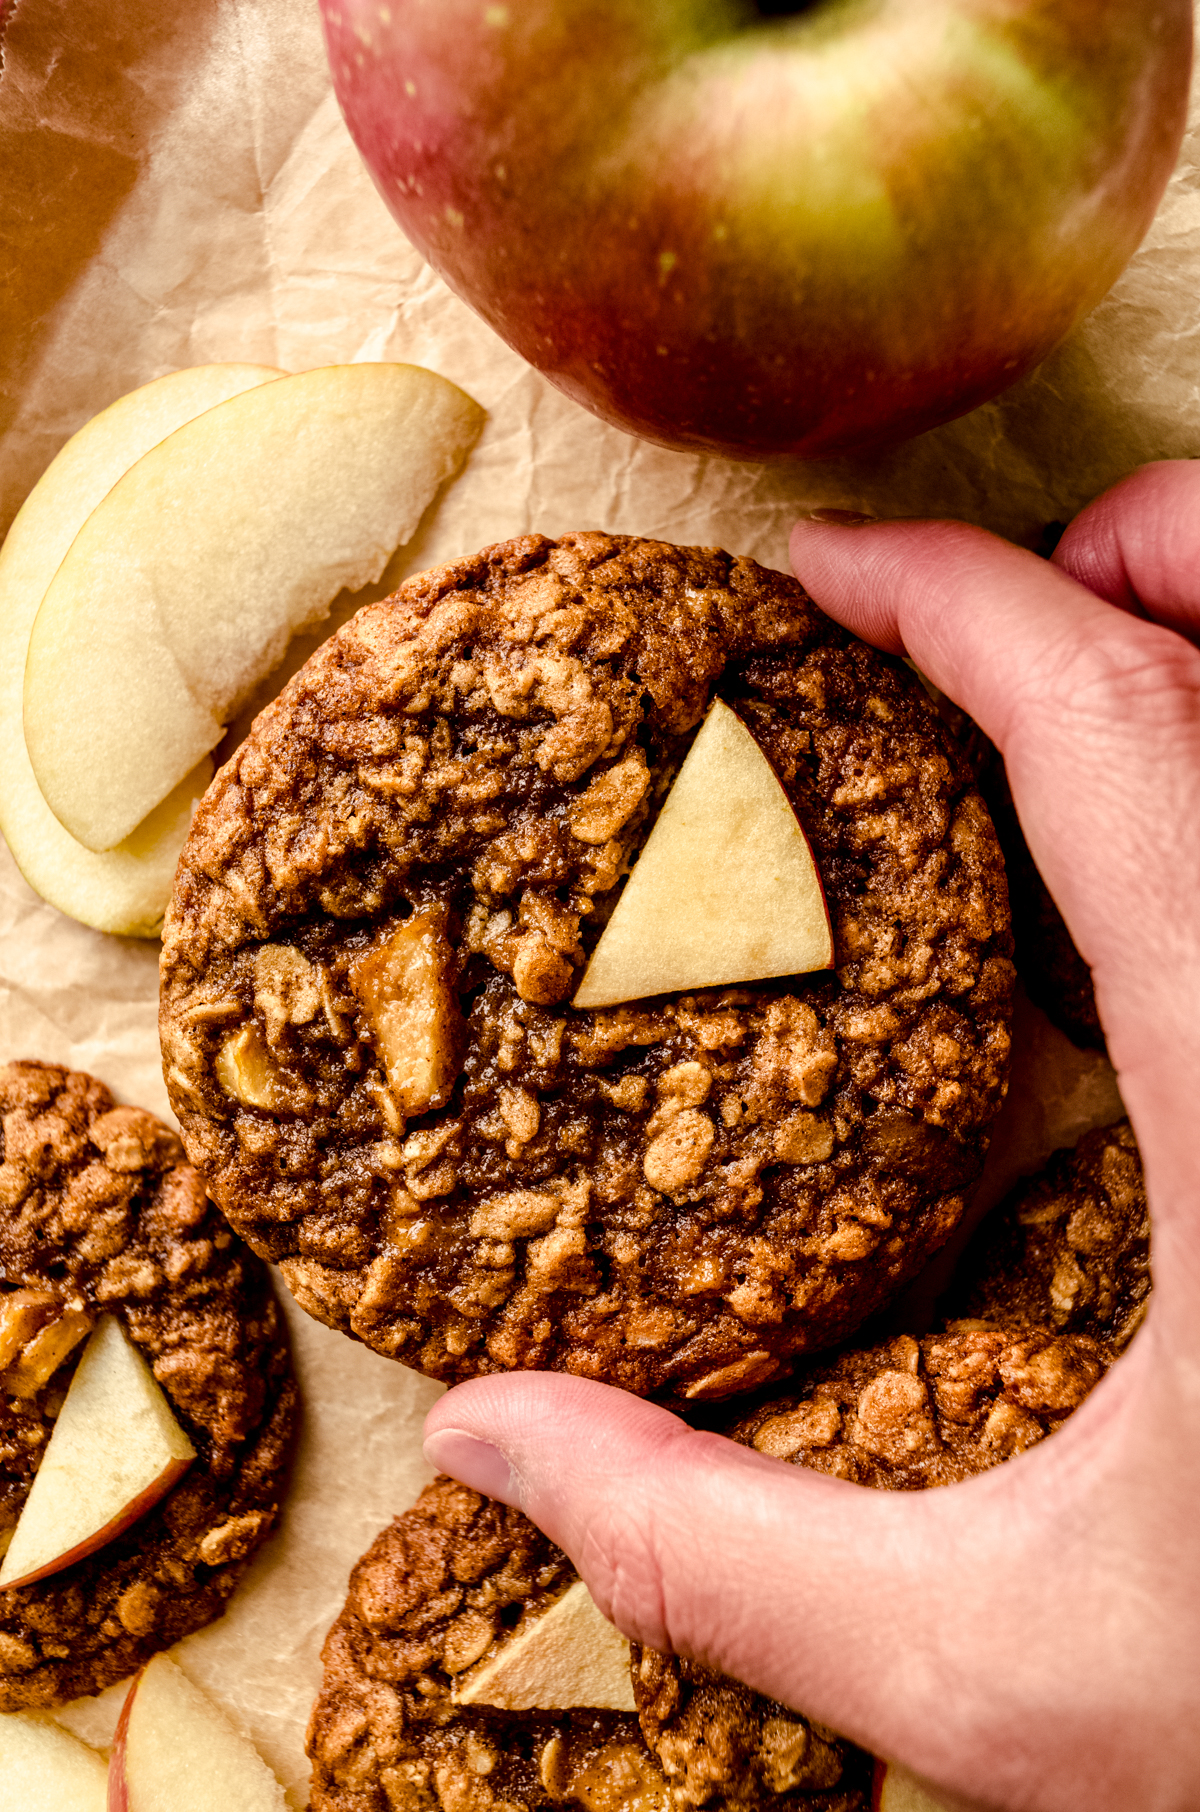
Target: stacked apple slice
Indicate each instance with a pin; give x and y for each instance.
(43, 1768)
(896, 1790)
(726, 888)
(154, 578)
(115, 1450)
(175, 1752)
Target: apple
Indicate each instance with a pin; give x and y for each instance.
(43, 1768)
(126, 889)
(405, 991)
(175, 1752)
(565, 1656)
(186, 583)
(725, 889)
(896, 1790)
(115, 1450)
(770, 228)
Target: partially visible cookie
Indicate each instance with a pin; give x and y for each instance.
(430, 1599)
(903, 1416)
(386, 904)
(100, 1213)
(1070, 1248)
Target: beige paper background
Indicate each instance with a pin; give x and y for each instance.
(176, 186)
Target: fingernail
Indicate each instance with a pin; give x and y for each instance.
(844, 518)
(473, 1462)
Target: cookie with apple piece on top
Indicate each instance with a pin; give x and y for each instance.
(595, 959)
(147, 1404)
(470, 1670)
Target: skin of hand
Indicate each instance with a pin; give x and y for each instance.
(1029, 1639)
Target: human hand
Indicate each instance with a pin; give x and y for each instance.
(1029, 1639)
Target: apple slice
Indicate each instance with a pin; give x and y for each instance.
(896, 1790)
(185, 585)
(568, 1655)
(43, 1768)
(116, 1448)
(125, 890)
(175, 1752)
(725, 889)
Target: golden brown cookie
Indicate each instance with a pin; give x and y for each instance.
(387, 901)
(1070, 1248)
(430, 1598)
(100, 1214)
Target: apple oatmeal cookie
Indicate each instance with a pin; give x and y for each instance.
(436, 1594)
(903, 1416)
(101, 1215)
(384, 910)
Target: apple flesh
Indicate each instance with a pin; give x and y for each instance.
(185, 585)
(126, 889)
(568, 1655)
(896, 1790)
(770, 234)
(725, 889)
(115, 1450)
(43, 1768)
(175, 1752)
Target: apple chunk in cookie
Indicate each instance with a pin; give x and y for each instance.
(147, 1404)
(725, 889)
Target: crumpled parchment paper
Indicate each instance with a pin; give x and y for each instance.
(176, 186)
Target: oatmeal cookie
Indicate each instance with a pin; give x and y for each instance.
(432, 1595)
(903, 1416)
(99, 1213)
(1069, 1248)
(387, 901)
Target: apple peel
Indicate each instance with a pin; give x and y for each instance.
(173, 1751)
(115, 1450)
(125, 890)
(726, 888)
(569, 1655)
(185, 585)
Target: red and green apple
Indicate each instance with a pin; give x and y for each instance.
(775, 227)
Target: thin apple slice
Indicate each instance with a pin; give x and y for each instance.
(125, 890)
(43, 1768)
(726, 888)
(896, 1790)
(186, 584)
(116, 1448)
(569, 1655)
(175, 1752)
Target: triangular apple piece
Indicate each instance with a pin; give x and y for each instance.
(726, 888)
(569, 1655)
(116, 1448)
(186, 583)
(175, 1752)
(43, 1768)
(897, 1791)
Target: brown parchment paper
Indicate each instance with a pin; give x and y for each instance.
(176, 186)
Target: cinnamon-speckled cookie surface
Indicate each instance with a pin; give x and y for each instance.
(1069, 1248)
(433, 1595)
(100, 1214)
(903, 1416)
(437, 1594)
(387, 901)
